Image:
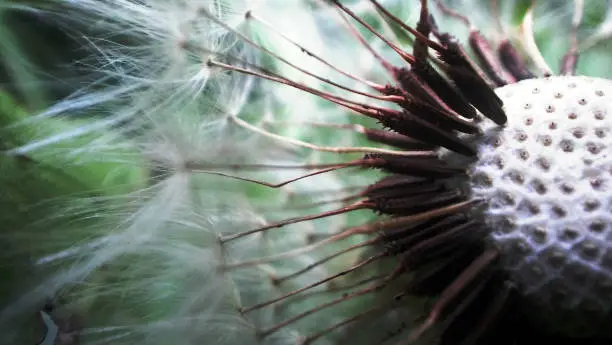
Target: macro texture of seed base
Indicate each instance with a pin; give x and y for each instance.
(547, 177)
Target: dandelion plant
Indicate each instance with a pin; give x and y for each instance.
(316, 172)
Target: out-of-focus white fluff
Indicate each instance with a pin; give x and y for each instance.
(147, 267)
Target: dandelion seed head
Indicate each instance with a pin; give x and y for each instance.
(545, 176)
(204, 251)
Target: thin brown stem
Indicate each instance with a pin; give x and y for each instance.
(338, 288)
(355, 33)
(449, 294)
(464, 303)
(326, 259)
(407, 57)
(309, 339)
(343, 298)
(490, 316)
(407, 220)
(418, 35)
(299, 251)
(198, 166)
(324, 202)
(268, 184)
(452, 13)
(261, 21)
(300, 143)
(570, 59)
(481, 47)
(359, 265)
(287, 62)
(365, 109)
(356, 206)
(377, 135)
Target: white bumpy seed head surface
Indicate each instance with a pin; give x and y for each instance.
(547, 177)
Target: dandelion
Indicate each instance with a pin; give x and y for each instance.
(324, 172)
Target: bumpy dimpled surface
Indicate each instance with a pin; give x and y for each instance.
(548, 179)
